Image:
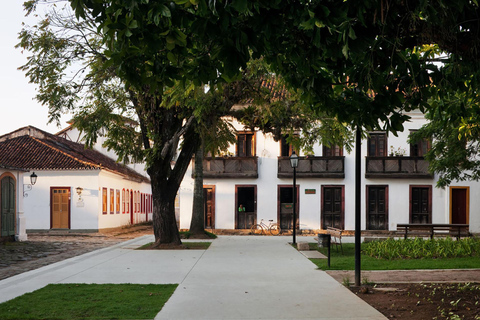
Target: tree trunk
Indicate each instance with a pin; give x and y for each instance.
(197, 224)
(165, 226)
(165, 181)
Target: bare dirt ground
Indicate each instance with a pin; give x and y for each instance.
(418, 294)
(416, 301)
(413, 295)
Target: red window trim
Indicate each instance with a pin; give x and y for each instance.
(104, 201)
(123, 200)
(127, 202)
(112, 201)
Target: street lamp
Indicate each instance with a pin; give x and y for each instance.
(294, 164)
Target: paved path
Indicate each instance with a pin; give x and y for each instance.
(261, 278)
(237, 278)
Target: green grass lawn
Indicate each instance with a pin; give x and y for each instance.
(347, 261)
(89, 301)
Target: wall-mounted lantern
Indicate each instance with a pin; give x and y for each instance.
(28, 187)
(79, 192)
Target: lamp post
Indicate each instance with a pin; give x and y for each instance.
(294, 164)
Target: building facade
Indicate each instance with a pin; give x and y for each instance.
(77, 189)
(396, 186)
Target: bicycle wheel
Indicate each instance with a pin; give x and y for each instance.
(256, 229)
(274, 229)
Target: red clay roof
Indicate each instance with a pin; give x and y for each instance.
(34, 149)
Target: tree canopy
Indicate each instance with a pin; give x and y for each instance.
(362, 63)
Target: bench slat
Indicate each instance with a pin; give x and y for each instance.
(456, 230)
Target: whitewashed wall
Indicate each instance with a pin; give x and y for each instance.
(37, 203)
(112, 181)
(87, 213)
(268, 150)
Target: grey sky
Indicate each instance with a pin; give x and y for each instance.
(17, 105)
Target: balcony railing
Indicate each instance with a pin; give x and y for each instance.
(230, 167)
(397, 167)
(313, 167)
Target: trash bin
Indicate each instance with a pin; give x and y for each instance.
(323, 240)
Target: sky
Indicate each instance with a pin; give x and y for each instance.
(18, 108)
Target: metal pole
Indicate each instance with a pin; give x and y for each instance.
(329, 243)
(294, 204)
(358, 158)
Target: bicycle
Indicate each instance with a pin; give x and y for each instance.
(262, 228)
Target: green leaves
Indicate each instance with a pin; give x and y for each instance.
(240, 5)
(419, 248)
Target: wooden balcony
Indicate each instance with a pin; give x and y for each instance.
(397, 167)
(230, 167)
(313, 167)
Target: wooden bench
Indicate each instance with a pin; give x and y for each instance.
(431, 230)
(335, 237)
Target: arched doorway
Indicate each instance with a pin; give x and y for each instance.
(7, 206)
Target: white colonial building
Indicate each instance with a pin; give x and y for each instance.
(396, 186)
(77, 189)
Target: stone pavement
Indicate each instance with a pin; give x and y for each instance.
(43, 249)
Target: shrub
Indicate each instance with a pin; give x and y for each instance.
(418, 248)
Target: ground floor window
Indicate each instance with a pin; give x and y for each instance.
(112, 201)
(245, 206)
(377, 207)
(209, 206)
(285, 207)
(104, 201)
(420, 204)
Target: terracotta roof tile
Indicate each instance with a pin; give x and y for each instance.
(34, 149)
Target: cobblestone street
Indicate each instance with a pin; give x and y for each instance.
(44, 249)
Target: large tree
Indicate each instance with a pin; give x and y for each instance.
(108, 77)
(357, 62)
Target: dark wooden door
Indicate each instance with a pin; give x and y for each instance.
(60, 206)
(8, 207)
(420, 205)
(285, 207)
(332, 213)
(377, 218)
(209, 207)
(459, 205)
(247, 197)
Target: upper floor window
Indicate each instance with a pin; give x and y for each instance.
(245, 144)
(419, 148)
(332, 151)
(377, 144)
(286, 149)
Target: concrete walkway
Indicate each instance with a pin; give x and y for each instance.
(239, 277)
